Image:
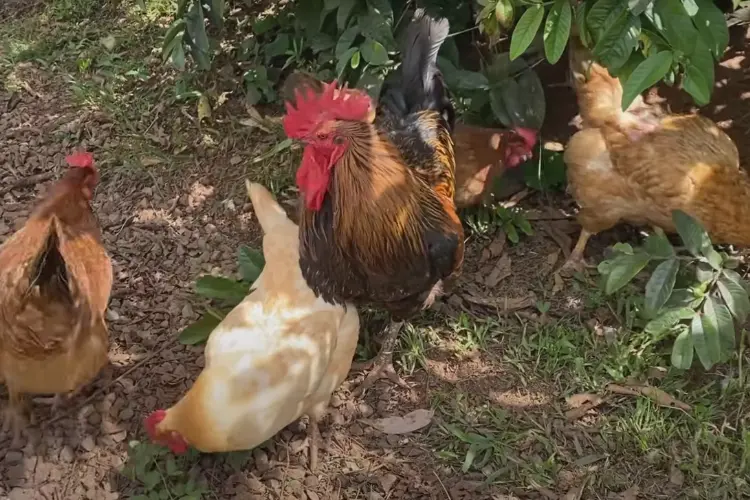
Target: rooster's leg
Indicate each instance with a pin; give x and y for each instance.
(382, 365)
(14, 417)
(575, 261)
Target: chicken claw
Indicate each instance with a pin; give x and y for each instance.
(382, 365)
(14, 418)
(576, 261)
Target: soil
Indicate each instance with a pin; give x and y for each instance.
(164, 229)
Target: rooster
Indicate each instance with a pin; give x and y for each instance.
(55, 282)
(278, 355)
(378, 221)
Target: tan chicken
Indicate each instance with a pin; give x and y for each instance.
(55, 282)
(278, 355)
(637, 166)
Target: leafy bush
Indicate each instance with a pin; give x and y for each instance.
(161, 474)
(224, 291)
(693, 294)
(485, 220)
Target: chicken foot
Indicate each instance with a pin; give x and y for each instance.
(14, 417)
(575, 260)
(382, 365)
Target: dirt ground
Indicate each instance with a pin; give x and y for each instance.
(164, 228)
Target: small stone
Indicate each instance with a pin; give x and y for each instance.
(126, 414)
(311, 495)
(254, 485)
(261, 460)
(311, 482)
(66, 454)
(336, 401)
(356, 430)
(13, 457)
(295, 473)
(365, 410)
(88, 443)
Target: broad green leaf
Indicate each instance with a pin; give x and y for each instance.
(377, 26)
(645, 75)
(624, 269)
(469, 459)
(690, 7)
(678, 27)
(196, 28)
(682, 297)
(343, 13)
(692, 233)
(534, 103)
(471, 80)
(178, 54)
(624, 71)
(603, 14)
(660, 285)
(735, 296)
(725, 324)
(251, 263)
(657, 245)
(667, 320)
(217, 287)
(345, 42)
(216, 12)
(682, 350)
(176, 27)
(199, 331)
(625, 248)
(505, 14)
(637, 7)
(382, 7)
(696, 84)
(374, 52)
(706, 340)
(526, 30)
(264, 25)
(278, 47)
(498, 107)
(449, 50)
(344, 60)
(617, 42)
(354, 63)
(712, 26)
(330, 4)
(580, 20)
(556, 30)
(370, 83)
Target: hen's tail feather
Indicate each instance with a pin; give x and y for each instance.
(269, 212)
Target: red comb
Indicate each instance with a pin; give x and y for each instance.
(333, 103)
(152, 420)
(82, 160)
(528, 135)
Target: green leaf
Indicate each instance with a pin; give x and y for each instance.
(667, 320)
(637, 7)
(371, 83)
(151, 479)
(625, 248)
(692, 233)
(216, 12)
(645, 75)
(660, 285)
(712, 26)
(278, 47)
(344, 60)
(345, 42)
(199, 331)
(690, 7)
(472, 80)
(697, 84)
(374, 52)
(725, 324)
(735, 296)
(526, 30)
(176, 27)
(682, 350)
(603, 14)
(705, 340)
(377, 26)
(342, 15)
(616, 43)
(218, 287)
(534, 103)
(678, 27)
(624, 269)
(511, 232)
(196, 28)
(264, 25)
(657, 245)
(469, 459)
(354, 63)
(251, 263)
(505, 15)
(556, 30)
(177, 55)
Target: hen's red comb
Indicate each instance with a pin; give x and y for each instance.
(333, 103)
(82, 160)
(152, 420)
(528, 135)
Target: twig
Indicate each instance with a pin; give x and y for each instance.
(100, 390)
(445, 490)
(27, 181)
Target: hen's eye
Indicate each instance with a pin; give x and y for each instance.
(322, 136)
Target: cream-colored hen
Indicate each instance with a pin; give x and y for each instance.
(278, 355)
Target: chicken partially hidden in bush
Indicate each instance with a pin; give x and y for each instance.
(378, 221)
(278, 355)
(55, 282)
(638, 166)
(483, 155)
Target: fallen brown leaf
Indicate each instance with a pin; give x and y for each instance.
(499, 272)
(630, 494)
(656, 394)
(505, 305)
(402, 424)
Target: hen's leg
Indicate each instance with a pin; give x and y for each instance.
(313, 434)
(14, 417)
(382, 365)
(575, 261)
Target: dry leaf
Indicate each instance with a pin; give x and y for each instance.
(676, 476)
(402, 425)
(577, 400)
(576, 492)
(505, 305)
(498, 245)
(581, 404)
(656, 394)
(630, 494)
(499, 272)
(109, 42)
(552, 258)
(559, 283)
(151, 161)
(204, 108)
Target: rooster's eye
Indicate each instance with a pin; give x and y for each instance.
(322, 136)
(338, 140)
